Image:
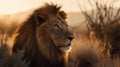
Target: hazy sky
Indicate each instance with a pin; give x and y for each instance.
(13, 6)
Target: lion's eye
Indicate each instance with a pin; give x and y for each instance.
(57, 26)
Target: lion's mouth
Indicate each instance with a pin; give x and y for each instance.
(65, 48)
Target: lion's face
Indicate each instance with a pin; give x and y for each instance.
(56, 34)
(60, 34)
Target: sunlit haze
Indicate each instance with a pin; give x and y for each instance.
(13, 6)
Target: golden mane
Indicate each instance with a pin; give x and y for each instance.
(26, 39)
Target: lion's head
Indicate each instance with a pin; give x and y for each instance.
(45, 32)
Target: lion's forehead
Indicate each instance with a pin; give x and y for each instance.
(59, 20)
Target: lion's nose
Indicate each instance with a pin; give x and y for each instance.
(70, 37)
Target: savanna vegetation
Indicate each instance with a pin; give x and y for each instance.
(96, 42)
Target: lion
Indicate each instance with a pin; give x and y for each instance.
(45, 37)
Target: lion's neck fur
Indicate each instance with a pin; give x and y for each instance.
(26, 40)
(45, 62)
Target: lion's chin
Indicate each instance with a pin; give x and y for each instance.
(65, 49)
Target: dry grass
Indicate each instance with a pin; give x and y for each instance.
(8, 59)
(93, 45)
(98, 45)
(104, 23)
(89, 53)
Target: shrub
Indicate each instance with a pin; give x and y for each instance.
(104, 21)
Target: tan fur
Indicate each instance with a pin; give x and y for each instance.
(45, 37)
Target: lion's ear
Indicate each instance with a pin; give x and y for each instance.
(63, 14)
(41, 17)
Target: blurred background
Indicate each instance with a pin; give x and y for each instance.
(72, 7)
(94, 23)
